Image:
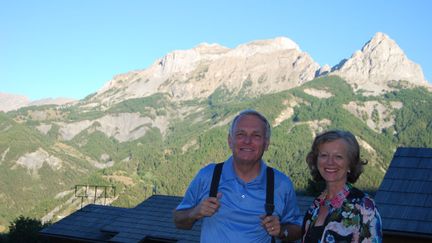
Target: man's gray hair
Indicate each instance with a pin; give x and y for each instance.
(249, 112)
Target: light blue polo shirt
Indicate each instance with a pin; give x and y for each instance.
(242, 204)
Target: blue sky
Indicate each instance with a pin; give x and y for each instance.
(72, 48)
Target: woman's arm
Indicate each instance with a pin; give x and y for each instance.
(371, 220)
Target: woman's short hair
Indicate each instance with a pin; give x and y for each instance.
(249, 112)
(355, 163)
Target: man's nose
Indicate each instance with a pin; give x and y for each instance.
(247, 139)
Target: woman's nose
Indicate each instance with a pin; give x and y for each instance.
(330, 159)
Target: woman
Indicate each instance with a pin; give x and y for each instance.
(342, 213)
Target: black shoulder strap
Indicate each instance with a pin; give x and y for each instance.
(215, 180)
(269, 205)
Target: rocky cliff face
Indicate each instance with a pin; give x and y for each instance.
(256, 68)
(259, 67)
(378, 64)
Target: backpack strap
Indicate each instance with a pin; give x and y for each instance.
(215, 180)
(269, 205)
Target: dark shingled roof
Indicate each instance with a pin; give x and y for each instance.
(152, 219)
(85, 223)
(304, 202)
(404, 198)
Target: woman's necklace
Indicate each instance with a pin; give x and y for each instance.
(335, 202)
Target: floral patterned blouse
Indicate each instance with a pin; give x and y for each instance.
(353, 219)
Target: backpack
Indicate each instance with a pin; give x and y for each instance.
(269, 205)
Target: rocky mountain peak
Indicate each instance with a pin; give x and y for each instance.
(380, 62)
(254, 68)
(177, 62)
(257, 67)
(262, 66)
(208, 49)
(264, 46)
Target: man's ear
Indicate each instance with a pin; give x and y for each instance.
(267, 144)
(230, 142)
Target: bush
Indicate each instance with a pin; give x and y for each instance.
(25, 230)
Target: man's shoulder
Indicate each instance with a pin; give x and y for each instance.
(281, 175)
(204, 175)
(207, 169)
(281, 178)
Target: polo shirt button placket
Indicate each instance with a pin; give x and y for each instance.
(243, 193)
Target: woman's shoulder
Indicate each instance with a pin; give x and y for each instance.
(356, 193)
(359, 197)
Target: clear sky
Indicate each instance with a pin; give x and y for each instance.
(72, 48)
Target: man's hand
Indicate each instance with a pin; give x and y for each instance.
(271, 224)
(207, 207)
(185, 219)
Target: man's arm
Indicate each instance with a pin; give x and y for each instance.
(290, 232)
(185, 219)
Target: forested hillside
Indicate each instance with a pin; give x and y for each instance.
(180, 137)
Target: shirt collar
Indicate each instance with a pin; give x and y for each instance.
(228, 172)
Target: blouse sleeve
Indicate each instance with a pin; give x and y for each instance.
(371, 222)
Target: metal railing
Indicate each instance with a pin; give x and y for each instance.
(95, 192)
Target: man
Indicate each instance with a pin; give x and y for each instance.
(238, 214)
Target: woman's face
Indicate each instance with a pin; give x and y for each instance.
(333, 163)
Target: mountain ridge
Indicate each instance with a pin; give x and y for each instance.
(199, 71)
(197, 75)
(10, 102)
(373, 69)
(379, 62)
(155, 142)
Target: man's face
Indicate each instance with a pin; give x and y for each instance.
(248, 141)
